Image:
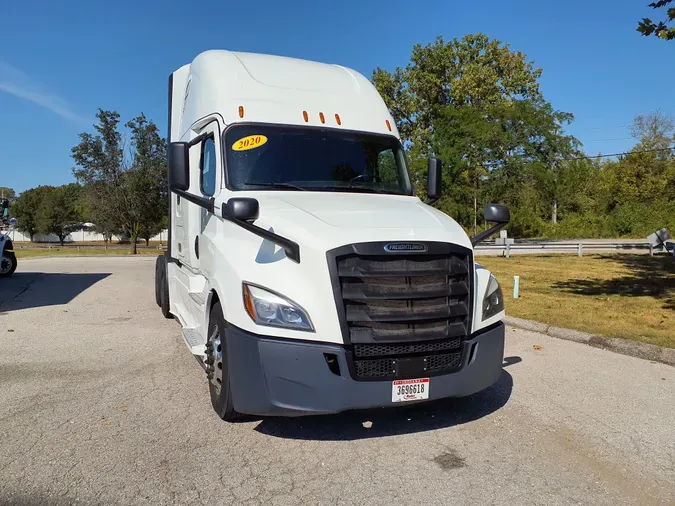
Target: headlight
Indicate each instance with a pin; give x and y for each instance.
(268, 308)
(493, 302)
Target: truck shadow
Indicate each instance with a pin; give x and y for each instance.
(384, 422)
(38, 289)
(646, 276)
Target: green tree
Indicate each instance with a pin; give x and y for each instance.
(641, 176)
(26, 207)
(149, 176)
(107, 229)
(99, 160)
(7, 193)
(647, 174)
(630, 196)
(59, 210)
(125, 188)
(476, 104)
(149, 231)
(474, 70)
(661, 29)
(655, 130)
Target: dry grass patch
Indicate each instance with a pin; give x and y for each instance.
(628, 296)
(70, 251)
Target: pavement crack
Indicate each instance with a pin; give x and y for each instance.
(24, 289)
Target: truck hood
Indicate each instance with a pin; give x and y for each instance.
(356, 211)
(343, 218)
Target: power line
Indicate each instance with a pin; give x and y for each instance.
(619, 154)
(498, 163)
(613, 139)
(602, 128)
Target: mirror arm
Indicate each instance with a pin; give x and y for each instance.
(198, 139)
(207, 203)
(487, 233)
(291, 248)
(431, 202)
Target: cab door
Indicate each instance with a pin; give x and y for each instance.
(207, 181)
(192, 225)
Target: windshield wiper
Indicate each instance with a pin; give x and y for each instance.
(349, 188)
(355, 189)
(284, 186)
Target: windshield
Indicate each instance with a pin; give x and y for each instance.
(302, 158)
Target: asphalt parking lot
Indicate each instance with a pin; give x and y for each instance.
(101, 403)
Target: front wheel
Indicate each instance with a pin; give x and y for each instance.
(7, 264)
(217, 368)
(160, 267)
(162, 286)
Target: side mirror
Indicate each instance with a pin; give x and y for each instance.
(242, 209)
(434, 181)
(496, 213)
(178, 161)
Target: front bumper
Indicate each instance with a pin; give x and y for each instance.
(271, 376)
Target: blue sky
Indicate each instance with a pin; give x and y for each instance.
(60, 61)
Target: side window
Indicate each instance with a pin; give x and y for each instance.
(207, 167)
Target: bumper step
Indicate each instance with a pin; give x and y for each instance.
(198, 297)
(194, 341)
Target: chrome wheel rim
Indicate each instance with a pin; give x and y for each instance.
(5, 265)
(215, 359)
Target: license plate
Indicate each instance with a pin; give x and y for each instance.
(409, 390)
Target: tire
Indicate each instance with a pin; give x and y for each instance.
(221, 398)
(163, 283)
(160, 267)
(8, 265)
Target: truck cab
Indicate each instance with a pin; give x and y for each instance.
(306, 275)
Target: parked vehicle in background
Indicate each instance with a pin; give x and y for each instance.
(7, 257)
(305, 273)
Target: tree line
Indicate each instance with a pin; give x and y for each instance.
(474, 102)
(477, 104)
(121, 186)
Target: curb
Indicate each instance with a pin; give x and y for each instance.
(645, 351)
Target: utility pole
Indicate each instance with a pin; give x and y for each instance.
(475, 201)
(554, 209)
(475, 210)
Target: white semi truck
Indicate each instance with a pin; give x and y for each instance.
(305, 273)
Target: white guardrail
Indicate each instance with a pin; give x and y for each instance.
(568, 247)
(521, 247)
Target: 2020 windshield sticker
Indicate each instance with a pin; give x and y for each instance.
(249, 142)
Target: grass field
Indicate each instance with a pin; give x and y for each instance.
(56, 251)
(628, 296)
